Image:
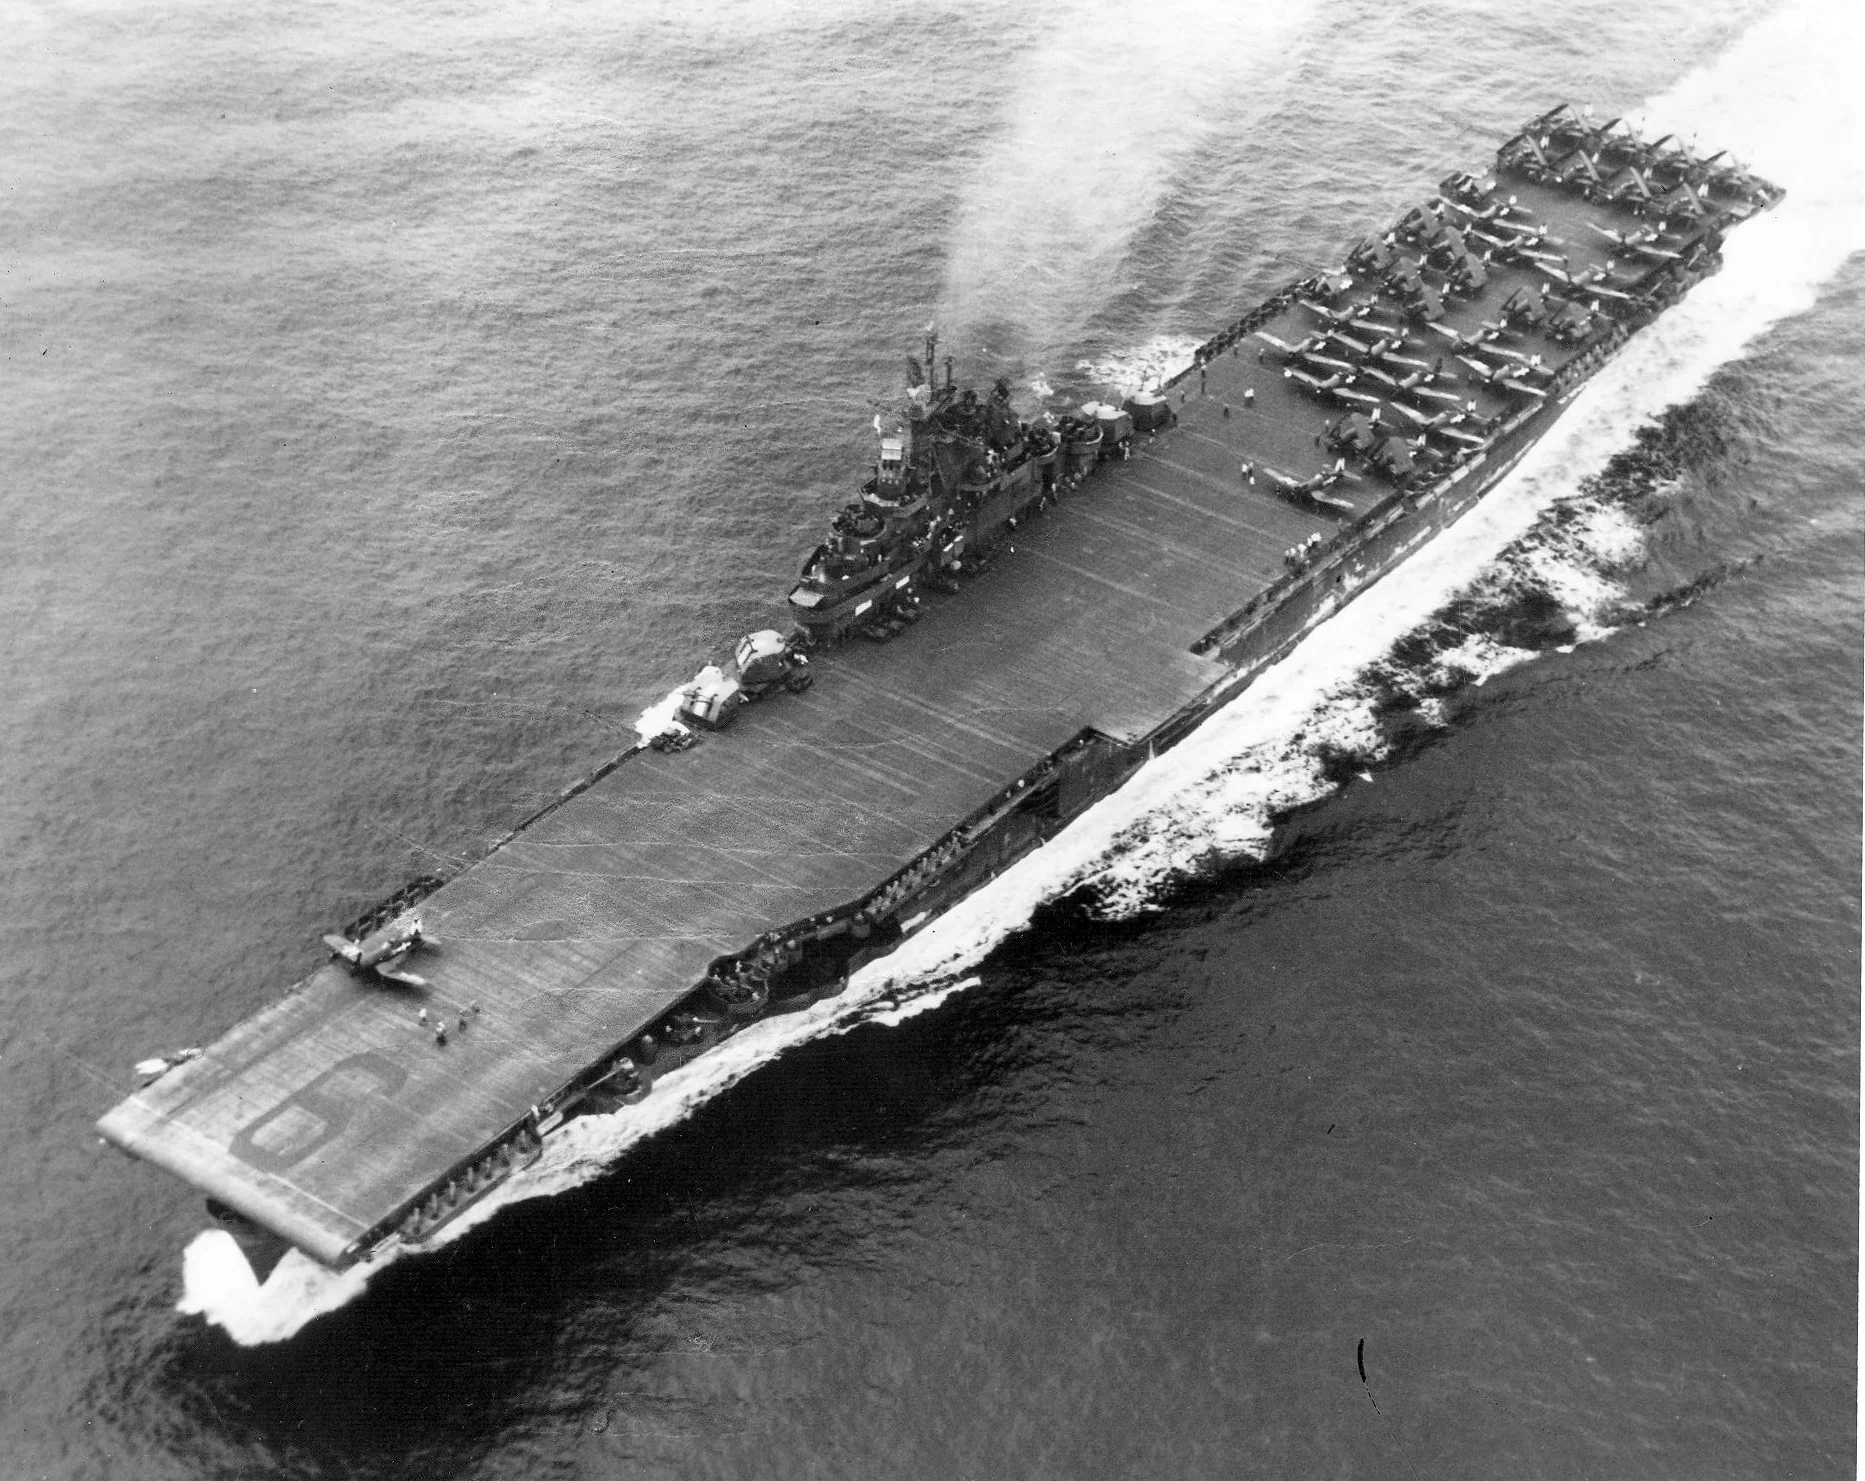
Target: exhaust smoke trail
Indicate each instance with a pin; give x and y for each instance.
(1116, 97)
(1215, 795)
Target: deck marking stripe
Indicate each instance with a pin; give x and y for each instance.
(1099, 580)
(1185, 553)
(1255, 529)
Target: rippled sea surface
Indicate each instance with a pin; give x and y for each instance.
(394, 404)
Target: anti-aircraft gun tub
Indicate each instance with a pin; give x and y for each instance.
(987, 703)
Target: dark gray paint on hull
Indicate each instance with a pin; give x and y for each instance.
(328, 1115)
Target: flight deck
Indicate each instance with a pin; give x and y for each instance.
(1118, 611)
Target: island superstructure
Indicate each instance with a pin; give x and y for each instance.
(1008, 619)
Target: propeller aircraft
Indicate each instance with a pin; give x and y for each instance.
(1344, 318)
(1531, 364)
(1493, 212)
(1534, 235)
(1437, 395)
(1364, 349)
(1580, 168)
(1461, 342)
(1644, 242)
(1316, 385)
(1522, 308)
(382, 951)
(1460, 426)
(1512, 250)
(1504, 377)
(1397, 458)
(1313, 490)
(1685, 200)
(1630, 184)
(1595, 281)
(1355, 434)
(1419, 382)
(1286, 351)
(1405, 362)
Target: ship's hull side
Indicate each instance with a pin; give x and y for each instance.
(666, 902)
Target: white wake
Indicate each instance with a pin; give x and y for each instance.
(1215, 794)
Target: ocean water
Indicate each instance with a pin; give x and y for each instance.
(1446, 1064)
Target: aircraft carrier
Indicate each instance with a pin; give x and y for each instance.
(1007, 620)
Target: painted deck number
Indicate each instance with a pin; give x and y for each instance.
(316, 1113)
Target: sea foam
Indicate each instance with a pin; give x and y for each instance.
(1218, 793)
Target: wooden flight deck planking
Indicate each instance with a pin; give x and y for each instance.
(585, 927)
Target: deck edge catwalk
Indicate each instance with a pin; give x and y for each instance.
(1009, 619)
